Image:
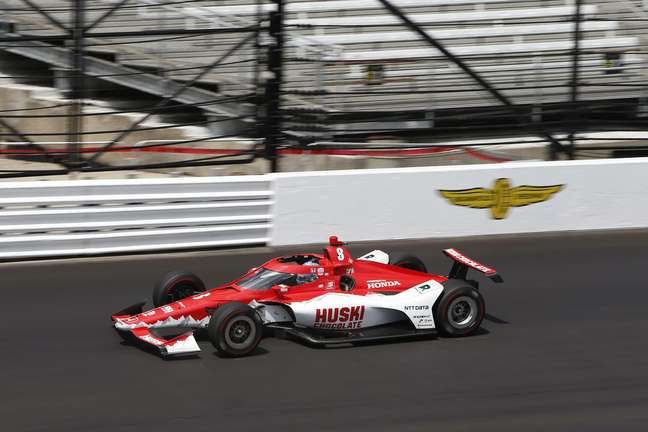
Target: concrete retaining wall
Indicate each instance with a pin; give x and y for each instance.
(460, 201)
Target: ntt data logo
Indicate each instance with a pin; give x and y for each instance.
(501, 197)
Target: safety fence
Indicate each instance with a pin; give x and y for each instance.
(90, 217)
(291, 73)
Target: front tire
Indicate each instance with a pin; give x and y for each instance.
(175, 286)
(235, 329)
(460, 311)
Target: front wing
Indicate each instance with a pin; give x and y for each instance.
(184, 344)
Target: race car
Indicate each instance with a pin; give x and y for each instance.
(321, 299)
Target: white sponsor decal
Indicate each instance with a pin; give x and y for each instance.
(376, 256)
(150, 339)
(469, 262)
(340, 254)
(200, 296)
(425, 323)
(167, 309)
(149, 313)
(382, 284)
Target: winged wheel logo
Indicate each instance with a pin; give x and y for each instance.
(501, 197)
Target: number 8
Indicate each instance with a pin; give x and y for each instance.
(340, 254)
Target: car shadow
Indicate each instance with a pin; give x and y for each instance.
(201, 335)
(494, 319)
(359, 343)
(259, 351)
(481, 331)
(149, 349)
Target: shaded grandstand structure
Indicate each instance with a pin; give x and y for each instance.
(284, 75)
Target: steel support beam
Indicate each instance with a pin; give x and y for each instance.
(272, 123)
(257, 52)
(25, 138)
(128, 34)
(77, 93)
(13, 130)
(555, 145)
(129, 77)
(46, 15)
(575, 114)
(172, 96)
(105, 15)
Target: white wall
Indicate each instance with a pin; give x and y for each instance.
(405, 203)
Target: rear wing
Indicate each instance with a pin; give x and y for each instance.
(462, 263)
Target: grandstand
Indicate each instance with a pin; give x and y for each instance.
(352, 68)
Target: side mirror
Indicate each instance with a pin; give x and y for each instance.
(347, 283)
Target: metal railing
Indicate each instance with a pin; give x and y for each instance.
(89, 217)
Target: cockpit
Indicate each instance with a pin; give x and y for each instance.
(306, 260)
(263, 279)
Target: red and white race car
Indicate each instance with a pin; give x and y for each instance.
(327, 298)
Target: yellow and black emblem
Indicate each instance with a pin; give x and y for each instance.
(501, 197)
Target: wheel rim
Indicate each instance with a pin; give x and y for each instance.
(181, 291)
(462, 312)
(240, 332)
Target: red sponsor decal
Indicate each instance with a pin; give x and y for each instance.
(339, 318)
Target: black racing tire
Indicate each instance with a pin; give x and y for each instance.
(407, 261)
(175, 286)
(235, 329)
(460, 310)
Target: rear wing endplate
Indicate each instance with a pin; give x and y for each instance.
(462, 263)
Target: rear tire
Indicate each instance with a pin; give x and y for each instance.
(460, 310)
(407, 261)
(175, 286)
(235, 329)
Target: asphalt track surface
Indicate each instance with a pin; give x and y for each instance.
(564, 350)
